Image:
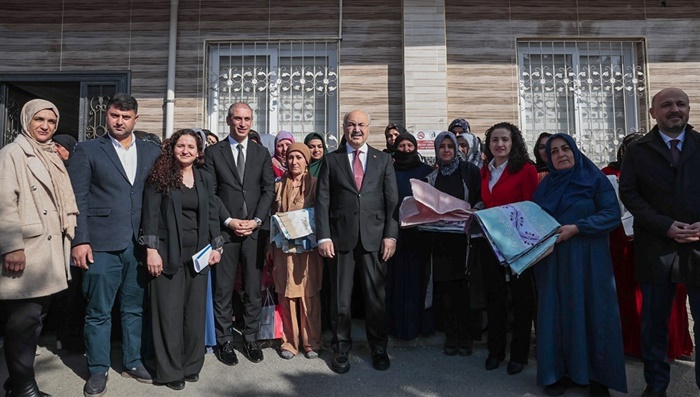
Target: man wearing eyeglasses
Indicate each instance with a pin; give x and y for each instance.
(356, 226)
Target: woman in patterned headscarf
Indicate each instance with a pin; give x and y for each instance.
(462, 130)
(38, 216)
(279, 160)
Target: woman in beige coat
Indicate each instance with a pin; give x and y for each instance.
(298, 276)
(37, 220)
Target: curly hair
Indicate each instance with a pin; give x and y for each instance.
(166, 174)
(518, 156)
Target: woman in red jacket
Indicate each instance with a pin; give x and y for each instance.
(508, 176)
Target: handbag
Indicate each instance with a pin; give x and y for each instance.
(270, 326)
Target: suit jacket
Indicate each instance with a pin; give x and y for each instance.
(510, 188)
(657, 193)
(345, 214)
(257, 189)
(162, 221)
(110, 207)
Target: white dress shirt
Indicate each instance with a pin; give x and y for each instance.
(127, 156)
(667, 139)
(234, 148)
(495, 172)
(363, 155)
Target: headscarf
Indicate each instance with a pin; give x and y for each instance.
(67, 142)
(406, 160)
(462, 123)
(540, 163)
(315, 165)
(253, 135)
(393, 126)
(63, 191)
(561, 189)
(448, 167)
(301, 148)
(623, 147)
(474, 154)
(281, 136)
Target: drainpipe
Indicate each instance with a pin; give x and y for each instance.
(172, 46)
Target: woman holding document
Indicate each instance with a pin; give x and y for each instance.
(180, 218)
(297, 275)
(579, 339)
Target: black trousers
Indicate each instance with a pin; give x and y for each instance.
(372, 277)
(453, 299)
(23, 324)
(245, 252)
(178, 307)
(523, 293)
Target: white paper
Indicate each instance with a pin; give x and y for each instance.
(201, 258)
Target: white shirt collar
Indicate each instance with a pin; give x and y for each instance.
(235, 143)
(118, 144)
(667, 139)
(492, 165)
(362, 148)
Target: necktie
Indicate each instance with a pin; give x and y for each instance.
(675, 152)
(357, 171)
(240, 162)
(240, 165)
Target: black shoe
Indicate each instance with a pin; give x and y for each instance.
(96, 386)
(515, 368)
(380, 361)
(176, 384)
(651, 392)
(253, 351)
(340, 363)
(492, 363)
(192, 378)
(29, 389)
(597, 389)
(226, 354)
(139, 373)
(555, 389)
(450, 350)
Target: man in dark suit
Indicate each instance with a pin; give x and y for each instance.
(660, 185)
(108, 175)
(245, 185)
(356, 226)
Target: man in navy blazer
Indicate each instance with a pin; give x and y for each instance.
(356, 199)
(108, 175)
(245, 184)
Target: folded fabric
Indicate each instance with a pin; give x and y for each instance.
(433, 209)
(520, 234)
(293, 231)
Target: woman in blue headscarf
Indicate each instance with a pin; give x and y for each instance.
(579, 339)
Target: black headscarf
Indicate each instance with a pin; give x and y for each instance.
(406, 160)
(393, 126)
(540, 163)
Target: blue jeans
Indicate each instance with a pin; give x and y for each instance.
(113, 274)
(657, 301)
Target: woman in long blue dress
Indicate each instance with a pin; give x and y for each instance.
(579, 338)
(407, 271)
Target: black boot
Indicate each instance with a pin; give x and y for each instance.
(28, 389)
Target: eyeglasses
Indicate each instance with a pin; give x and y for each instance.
(361, 126)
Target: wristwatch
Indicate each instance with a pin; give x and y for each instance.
(258, 221)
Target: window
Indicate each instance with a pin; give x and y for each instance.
(594, 91)
(290, 86)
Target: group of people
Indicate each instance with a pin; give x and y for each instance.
(133, 215)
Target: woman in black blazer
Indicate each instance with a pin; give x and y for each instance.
(180, 217)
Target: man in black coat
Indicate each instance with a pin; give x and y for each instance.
(245, 184)
(660, 185)
(356, 226)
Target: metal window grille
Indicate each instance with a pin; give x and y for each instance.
(596, 91)
(291, 86)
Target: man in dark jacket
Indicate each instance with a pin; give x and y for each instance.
(660, 185)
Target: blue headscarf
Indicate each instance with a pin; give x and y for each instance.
(447, 168)
(561, 189)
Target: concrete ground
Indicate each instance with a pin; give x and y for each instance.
(418, 368)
